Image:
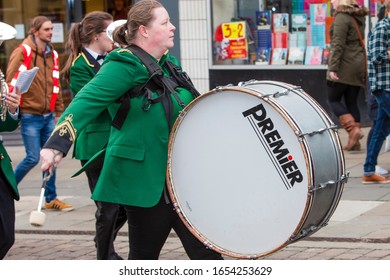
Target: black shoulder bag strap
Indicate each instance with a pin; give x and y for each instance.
(157, 78)
(182, 78)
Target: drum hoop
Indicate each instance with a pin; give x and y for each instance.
(305, 150)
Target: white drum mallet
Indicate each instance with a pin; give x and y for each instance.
(37, 218)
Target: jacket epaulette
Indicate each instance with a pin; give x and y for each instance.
(74, 61)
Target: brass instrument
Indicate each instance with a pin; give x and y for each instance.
(7, 32)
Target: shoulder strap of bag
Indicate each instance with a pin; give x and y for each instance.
(157, 81)
(363, 46)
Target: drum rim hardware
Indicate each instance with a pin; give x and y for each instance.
(333, 127)
(343, 179)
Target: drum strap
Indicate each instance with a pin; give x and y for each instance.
(158, 82)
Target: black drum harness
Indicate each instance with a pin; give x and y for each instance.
(157, 82)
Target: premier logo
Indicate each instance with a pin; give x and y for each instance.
(274, 145)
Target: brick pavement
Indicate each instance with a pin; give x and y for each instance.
(81, 247)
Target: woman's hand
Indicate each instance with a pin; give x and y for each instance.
(333, 75)
(50, 158)
(13, 100)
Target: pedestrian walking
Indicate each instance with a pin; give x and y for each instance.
(379, 80)
(42, 104)
(347, 73)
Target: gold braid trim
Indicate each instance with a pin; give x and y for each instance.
(66, 128)
(124, 50)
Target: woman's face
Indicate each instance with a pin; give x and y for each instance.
(161, 30)
(104, 42)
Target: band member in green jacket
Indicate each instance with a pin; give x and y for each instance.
(134, 168)
(8, 187)
(89, 44)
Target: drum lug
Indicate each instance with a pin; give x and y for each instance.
(243, 84)
(344, 178)
(304, 233)
(220, 88)
(176, 208)
(181, 114)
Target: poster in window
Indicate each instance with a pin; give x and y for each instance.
(234, 44)
(313, 55)
(318, 13)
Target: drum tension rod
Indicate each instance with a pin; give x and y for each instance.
(343, 179)
(278, 94)
(320, 131)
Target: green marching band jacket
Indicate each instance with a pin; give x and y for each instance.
(135, 162)
(95, 135)
(9, 124)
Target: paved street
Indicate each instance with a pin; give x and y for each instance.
(359, 229)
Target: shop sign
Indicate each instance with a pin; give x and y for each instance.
(234, 44)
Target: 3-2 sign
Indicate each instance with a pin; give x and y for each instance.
(234, 30)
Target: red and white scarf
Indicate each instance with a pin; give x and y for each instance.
(27, 53)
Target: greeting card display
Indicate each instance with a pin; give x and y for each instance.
(279, 56)
(263, 19)
(263, 56)
(296, 55)
(280, 22)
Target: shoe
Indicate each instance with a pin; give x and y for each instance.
(58, 205)
(381, 171)
(356, 147)
(115, 256)
(375, 179)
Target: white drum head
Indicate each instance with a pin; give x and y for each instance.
(240, 183)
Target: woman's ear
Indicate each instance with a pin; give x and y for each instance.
(143, 31)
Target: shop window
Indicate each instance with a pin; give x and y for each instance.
(272, 32)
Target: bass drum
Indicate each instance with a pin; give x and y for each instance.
(255, 167)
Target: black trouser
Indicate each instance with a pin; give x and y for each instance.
(336, 92)
(110, 218)
(149, 229)
(7, 216)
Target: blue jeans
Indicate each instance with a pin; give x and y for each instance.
(35, 130)
(380, 132)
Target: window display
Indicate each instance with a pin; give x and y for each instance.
(273, 32)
